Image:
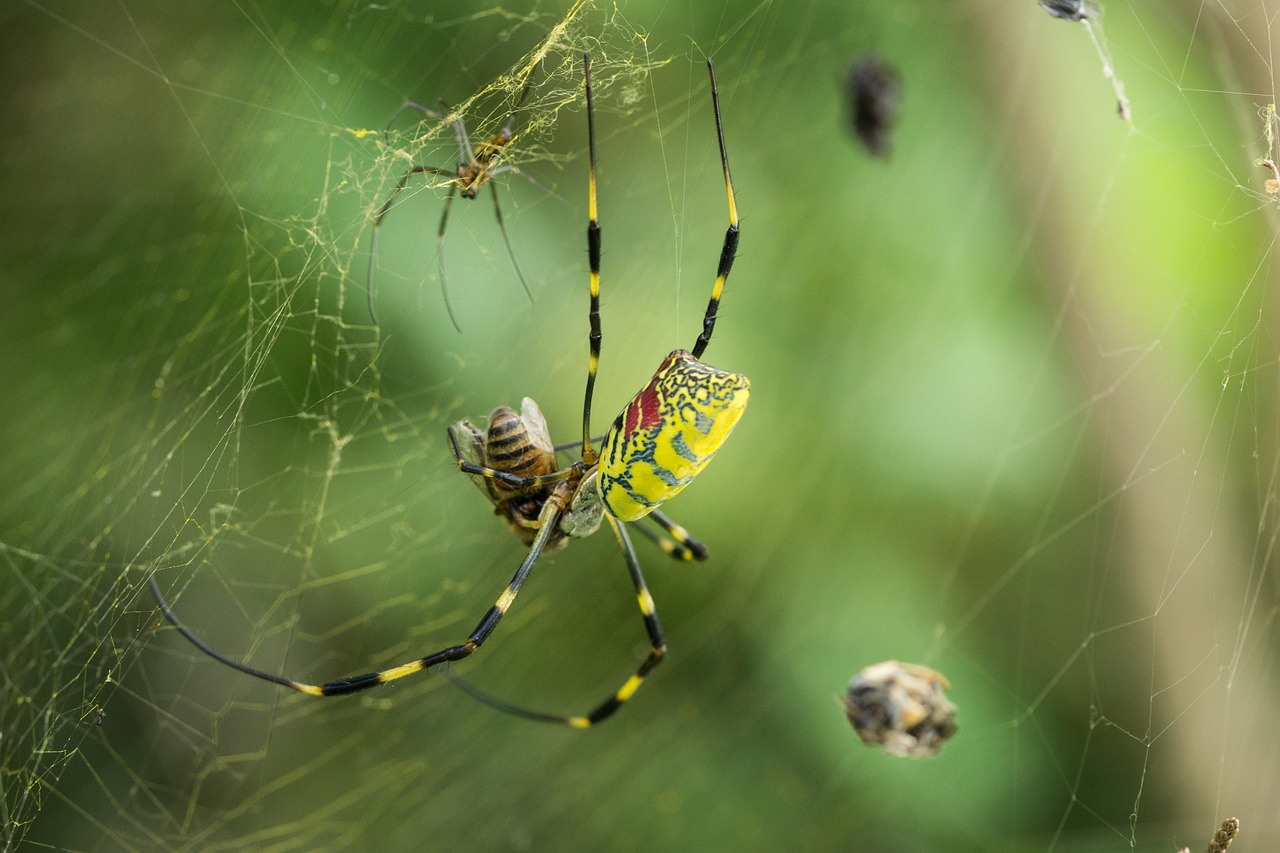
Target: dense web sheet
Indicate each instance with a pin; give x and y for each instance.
(1014, 418)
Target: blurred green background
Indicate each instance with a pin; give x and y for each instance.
(1013, 417)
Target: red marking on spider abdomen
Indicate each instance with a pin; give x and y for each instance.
(645, 411)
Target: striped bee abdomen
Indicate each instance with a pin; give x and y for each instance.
(513, 445)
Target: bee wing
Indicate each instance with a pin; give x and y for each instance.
(470, 441)
(535, 423)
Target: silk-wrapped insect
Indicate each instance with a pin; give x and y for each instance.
(901, 708)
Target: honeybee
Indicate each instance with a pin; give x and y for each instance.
(517, 444)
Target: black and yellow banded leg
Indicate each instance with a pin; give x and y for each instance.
(679, 543)
(593, 261)
(572, 473)
(550, 519)
(657, 642)
(729, 250)
(657, 651)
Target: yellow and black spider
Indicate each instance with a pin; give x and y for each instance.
(661, 440)
(476, 167)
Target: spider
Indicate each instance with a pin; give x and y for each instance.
(476, 167)
(660, 441)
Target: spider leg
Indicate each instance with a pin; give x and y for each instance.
(204, 647)
(678, 543)
(377, 223)
(593, 260)
(465, 153)
(521, 173)
(657, 651)
(514, 480)
(524, 95)
(729, 250)
(550, 518)
(497, 212)
(570, 444)
(657, 641)
(410, 105)
(444, 282)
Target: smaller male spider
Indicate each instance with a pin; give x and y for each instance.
(660, 441)
(476, 167)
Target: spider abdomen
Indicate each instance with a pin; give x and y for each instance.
(668, 433)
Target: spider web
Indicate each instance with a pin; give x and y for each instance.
(1014, 418)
